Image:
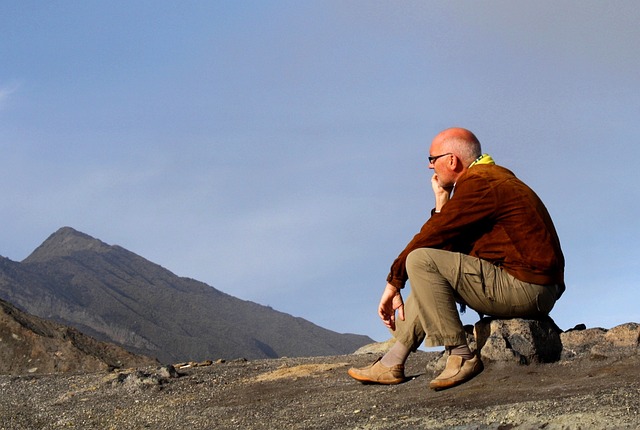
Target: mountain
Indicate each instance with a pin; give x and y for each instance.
(114, 295)
(33, 345)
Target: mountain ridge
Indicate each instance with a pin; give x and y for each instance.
(115, 295)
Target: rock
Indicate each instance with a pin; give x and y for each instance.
(580, 326)
(578, 343)
(140, 380)
(376, 348)
(525, 341)
(598, 343)
(168, 372)
(624, 336)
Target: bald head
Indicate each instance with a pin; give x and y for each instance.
(460, 142)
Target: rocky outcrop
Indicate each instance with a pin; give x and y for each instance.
(596, 343)
(32, 345)
(540, 341)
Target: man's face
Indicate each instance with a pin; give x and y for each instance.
(440, 161)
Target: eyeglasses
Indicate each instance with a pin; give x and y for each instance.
(433, 158)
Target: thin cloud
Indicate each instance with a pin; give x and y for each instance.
(6, 91)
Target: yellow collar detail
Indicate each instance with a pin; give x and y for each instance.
(483, 159)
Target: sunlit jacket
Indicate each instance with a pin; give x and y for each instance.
(494, 216)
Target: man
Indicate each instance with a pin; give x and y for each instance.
(489, 244)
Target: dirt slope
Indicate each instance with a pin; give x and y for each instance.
(316, 393)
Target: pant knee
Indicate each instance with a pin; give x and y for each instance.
(420, 259)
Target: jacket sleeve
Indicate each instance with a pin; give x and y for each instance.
(460, 222)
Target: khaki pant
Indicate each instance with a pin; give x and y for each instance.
(440, 278)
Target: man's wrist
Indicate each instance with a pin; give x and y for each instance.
(392, 287)
(441, 202)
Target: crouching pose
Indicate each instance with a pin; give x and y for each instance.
(489, 244)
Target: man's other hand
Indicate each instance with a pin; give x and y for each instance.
(391, 302)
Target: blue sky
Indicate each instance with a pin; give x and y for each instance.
(277, 150)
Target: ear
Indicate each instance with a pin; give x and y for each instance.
(456, 165)
(453, 163)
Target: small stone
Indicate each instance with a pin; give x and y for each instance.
(168, 371)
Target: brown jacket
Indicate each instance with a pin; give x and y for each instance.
(494, 216)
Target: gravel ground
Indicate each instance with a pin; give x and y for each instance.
(316, 393)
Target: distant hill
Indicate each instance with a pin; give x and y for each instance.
(33, 345)
(117, 296)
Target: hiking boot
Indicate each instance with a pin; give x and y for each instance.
(377, 373)
(457, 371)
